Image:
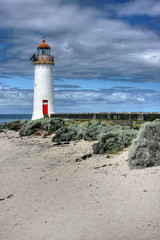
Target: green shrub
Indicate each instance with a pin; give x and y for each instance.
(108, 142)
(114, 141)
(136, 126)
(66, 133)
(67, 122)
(128, 136)
(153, 117)
(93, 130)
(48, 125)
(14, 125)
(145, 149)
(80, 133)
(110, 138)
(86, 130)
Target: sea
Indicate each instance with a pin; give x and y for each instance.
(13, 117)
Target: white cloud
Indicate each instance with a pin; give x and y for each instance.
(112, 99)
(120, 97)
(101, 100)
(141, 99)
(15, 97)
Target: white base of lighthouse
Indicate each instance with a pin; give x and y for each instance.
(43, 90)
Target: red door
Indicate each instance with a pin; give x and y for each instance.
(45, 106)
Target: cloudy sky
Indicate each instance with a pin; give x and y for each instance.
(107, 54)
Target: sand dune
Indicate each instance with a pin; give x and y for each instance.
(50, 192)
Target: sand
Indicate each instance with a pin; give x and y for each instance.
(49, 192)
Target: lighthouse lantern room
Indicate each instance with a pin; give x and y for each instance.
(43, 102)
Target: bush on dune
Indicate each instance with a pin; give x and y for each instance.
(48, 125)
(111, 141)
(88, 131)
(114, 141)
(110, 138)
(66, 133)
(145, 149)
(14, 125)
(94, 129)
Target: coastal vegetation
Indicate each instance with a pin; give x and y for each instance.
(145, 149)
(14, 125)
(48, 125)
(107, 137)
(114, 141)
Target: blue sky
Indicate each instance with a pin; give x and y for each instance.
(107, 54)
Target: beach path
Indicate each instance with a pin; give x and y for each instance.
(50, 192)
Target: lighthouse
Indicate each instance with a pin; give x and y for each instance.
(43, 102)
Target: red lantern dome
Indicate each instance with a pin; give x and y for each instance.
(43, 45)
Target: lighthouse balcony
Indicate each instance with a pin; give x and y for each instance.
(43, 59)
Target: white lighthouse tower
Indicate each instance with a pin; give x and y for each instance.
(43, 82)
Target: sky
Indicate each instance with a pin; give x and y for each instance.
(107, 54)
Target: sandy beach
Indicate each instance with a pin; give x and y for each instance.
(50, 192)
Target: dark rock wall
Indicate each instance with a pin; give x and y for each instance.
(108, 116)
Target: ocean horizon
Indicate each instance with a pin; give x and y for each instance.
(13, 117)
